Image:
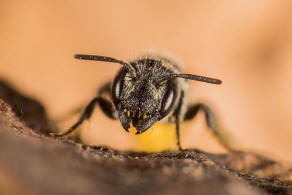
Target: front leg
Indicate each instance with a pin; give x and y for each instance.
(106, 106)
(177, 114)
(210, 117)
(101, 92)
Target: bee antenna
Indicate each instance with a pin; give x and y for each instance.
(105, 59)
(193, 77)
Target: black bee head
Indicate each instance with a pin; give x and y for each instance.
(142, 100)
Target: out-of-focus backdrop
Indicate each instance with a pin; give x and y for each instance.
(247, 44)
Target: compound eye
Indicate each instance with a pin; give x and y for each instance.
(117, 86)
(170, 97)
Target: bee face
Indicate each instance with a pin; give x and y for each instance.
(141, 99)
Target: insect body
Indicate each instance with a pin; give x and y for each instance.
(146, 90)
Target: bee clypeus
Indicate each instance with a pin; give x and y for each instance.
(147, 89)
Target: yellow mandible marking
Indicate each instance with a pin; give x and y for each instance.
(145, 116)
(132, 129)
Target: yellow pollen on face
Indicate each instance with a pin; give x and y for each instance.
(128, 113)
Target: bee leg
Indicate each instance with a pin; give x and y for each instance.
(106, 106)
(65, 116)
(104, 89)
(177, 114)
(177, 127)
(212, 123)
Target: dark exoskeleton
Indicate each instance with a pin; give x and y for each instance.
(148, 89)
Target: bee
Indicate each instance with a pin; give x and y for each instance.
(146, 90)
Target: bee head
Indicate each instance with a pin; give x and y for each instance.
(144, 92)
(141, 99)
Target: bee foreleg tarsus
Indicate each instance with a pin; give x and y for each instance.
(177, 114)
(177, 127)
(106, 106)
(211, 121)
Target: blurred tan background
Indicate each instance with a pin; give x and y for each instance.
(247, 44)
